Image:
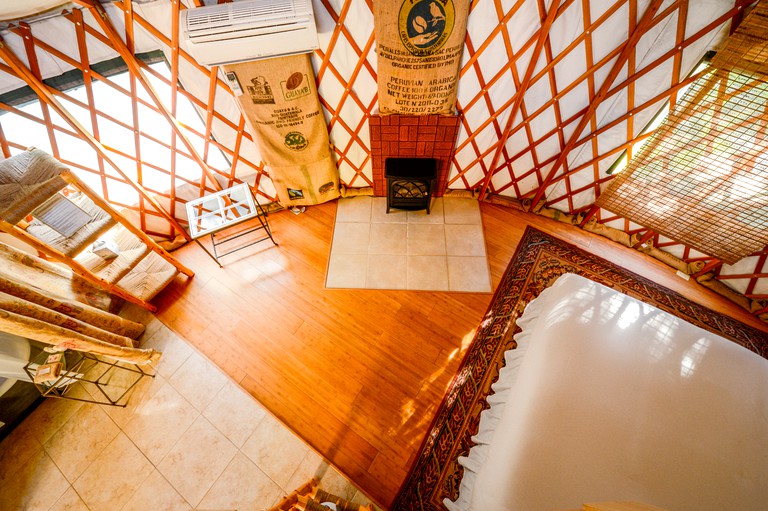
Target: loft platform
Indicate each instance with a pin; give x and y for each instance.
(65, 227)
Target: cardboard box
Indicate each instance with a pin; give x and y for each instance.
(106, 249)
(47, 372)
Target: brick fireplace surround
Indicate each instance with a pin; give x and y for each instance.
(412, 136)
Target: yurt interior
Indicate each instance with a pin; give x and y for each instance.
(384, 255)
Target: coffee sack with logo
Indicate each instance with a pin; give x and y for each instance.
(284, 115)
(419, 47)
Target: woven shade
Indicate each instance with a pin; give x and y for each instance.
(747, 49)
(702, 179)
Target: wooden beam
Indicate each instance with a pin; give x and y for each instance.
(512, 65)
(629, 47)
(46, 96)
(590, 214)
(141, 22)
(524, 84)
(754, 278)
(628, 115)
(743, 276)
(34, 67)
(557, 108)
(131, 94)
(236, 157)
(339, 19)
(82, 47)
(645, 237)
(136, 70)
(134, 113)
(660, 60)
(174, 101)
(4, 143)
(208, 110)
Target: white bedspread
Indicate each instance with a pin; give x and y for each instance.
(608, 398)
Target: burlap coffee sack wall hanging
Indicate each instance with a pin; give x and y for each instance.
(279, 99)
(419, 45)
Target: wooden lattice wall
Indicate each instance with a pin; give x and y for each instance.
(551, 93)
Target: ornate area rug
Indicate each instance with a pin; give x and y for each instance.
(539, 260)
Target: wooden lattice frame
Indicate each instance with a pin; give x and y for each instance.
(213, 178)
(486, 157)
(547, 172)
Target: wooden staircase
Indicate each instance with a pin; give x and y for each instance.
(141, 269)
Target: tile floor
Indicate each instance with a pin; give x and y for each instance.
(442, 251)
(189, 439)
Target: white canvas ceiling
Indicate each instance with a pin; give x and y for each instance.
(13, 9)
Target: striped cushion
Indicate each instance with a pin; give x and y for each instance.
(26, 181)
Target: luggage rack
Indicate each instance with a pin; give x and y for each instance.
(212, 214)
(87, 369)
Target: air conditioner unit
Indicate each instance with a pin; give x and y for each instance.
(248, 30)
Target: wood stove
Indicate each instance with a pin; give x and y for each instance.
(410, 182)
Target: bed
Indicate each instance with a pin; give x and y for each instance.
(607, 398)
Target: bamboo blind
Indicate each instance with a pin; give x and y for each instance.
(702, 179)
(747, 49)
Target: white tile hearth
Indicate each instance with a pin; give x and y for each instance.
(464, 240)
(426, 239)
(461, 211)
(347, 270)
(465, 273)
(351, 211)
(388, 239)
(408, 250)
(425, 271)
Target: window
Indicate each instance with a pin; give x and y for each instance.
(702, 178)
(152, 159)
(621, 163)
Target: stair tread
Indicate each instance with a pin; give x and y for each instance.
(132, 251)
(149, 277)
(100, 223)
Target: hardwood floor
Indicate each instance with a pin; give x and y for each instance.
(357, 373)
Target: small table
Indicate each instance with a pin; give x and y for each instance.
(213, 213)
(80, 368)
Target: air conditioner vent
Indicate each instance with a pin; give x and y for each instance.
(249, 29)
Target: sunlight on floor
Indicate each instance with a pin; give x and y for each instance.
(189, 437)
(408, 409)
